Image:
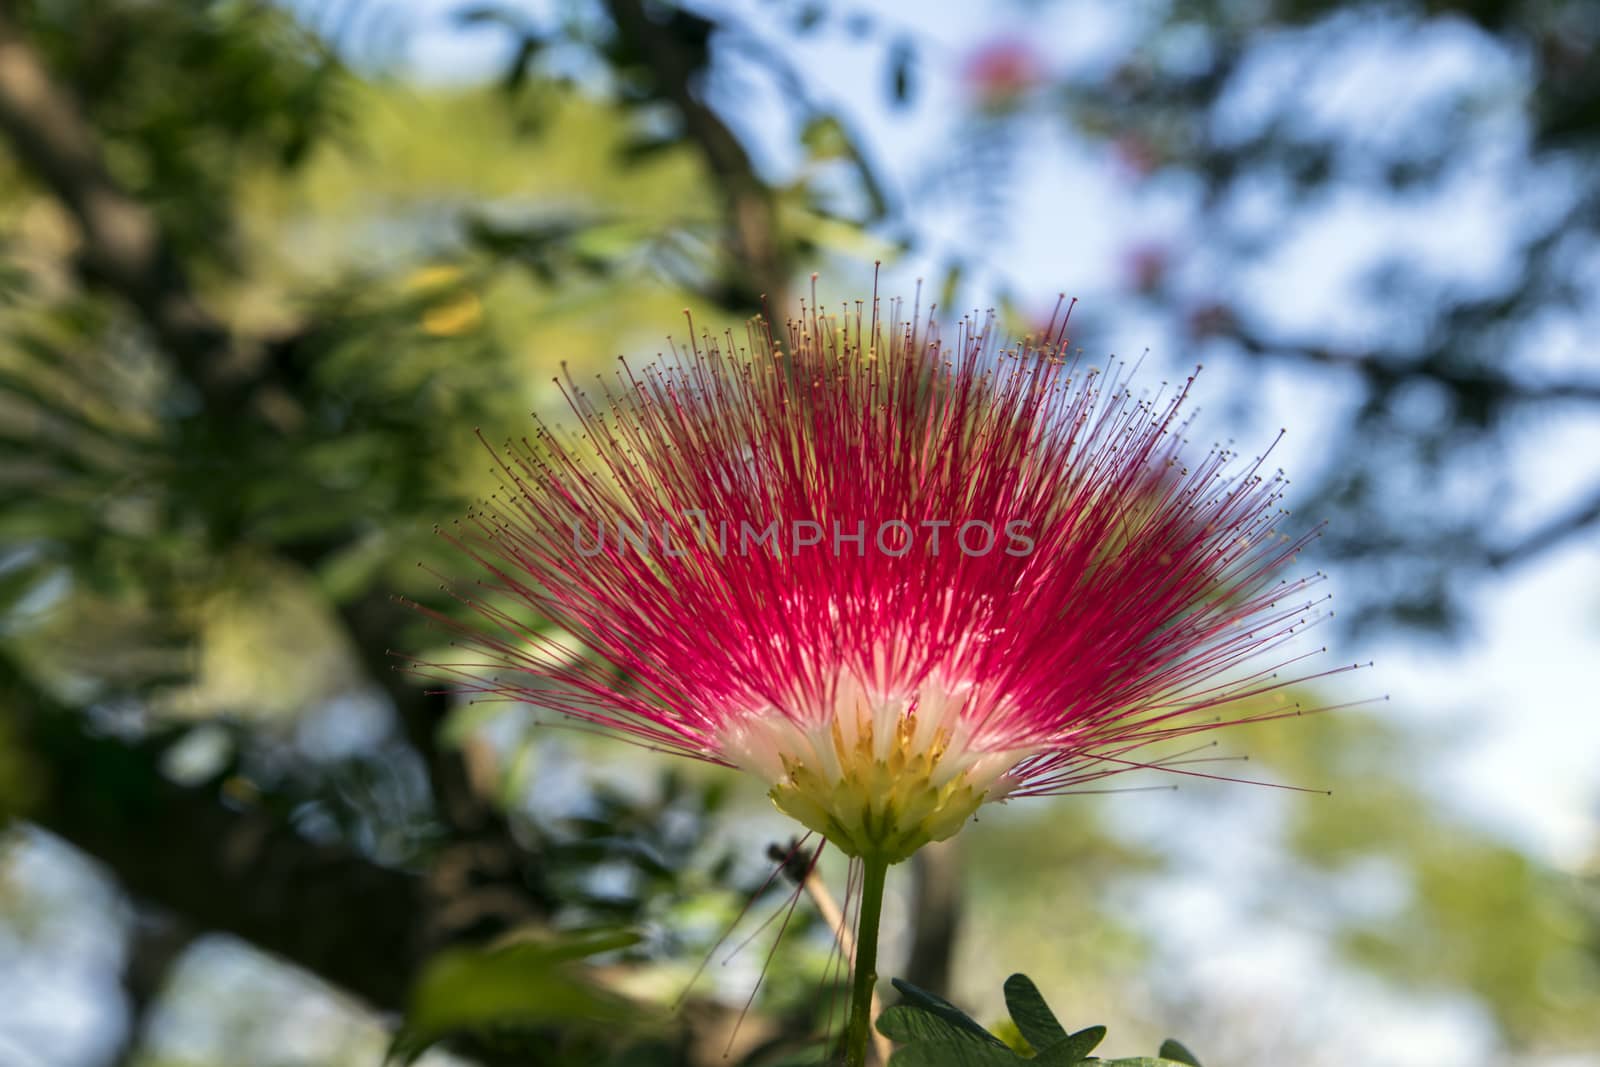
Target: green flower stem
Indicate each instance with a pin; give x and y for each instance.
(859, 1031)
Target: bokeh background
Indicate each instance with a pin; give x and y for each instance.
(264, 268)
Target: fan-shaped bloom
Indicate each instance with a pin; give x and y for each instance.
(893, 576)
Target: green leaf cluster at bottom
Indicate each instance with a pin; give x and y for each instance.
(932, 1032)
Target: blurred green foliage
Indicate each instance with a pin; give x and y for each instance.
(217, 471)
(522, 985)
(1476, 914)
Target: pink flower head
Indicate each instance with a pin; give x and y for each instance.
(999, 72)
(892, 575)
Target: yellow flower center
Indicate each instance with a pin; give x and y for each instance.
(879, 778)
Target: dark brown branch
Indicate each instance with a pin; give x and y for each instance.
(1583, 518)
(755, 236)
(219, 864)
(484, 881)
(214, 861)
(935, 914)
(1463, 382)
(1458, 380)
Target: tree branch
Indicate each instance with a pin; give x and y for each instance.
(221, 865)
(485, 880)
(1575, 522)
(935, 914)
(756, 238)
(1466, 383)
(1462, 381)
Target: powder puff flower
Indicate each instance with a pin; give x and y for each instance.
(893, 576)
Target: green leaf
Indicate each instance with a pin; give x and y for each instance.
(818, 1055)
(579, 944)
(1175, 1050)
(526, 984)
(1072, 1049)
(934, 1033)
(937, 1005)
(910, 1025)
(1032, 1016)
(961, 1052)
